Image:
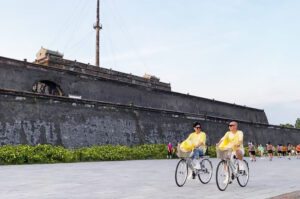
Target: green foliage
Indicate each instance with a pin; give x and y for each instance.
(39, 154)
(287, 125)
(247, 151)
(21, 154)
(25, 154)
(211, 150)
(297, 124)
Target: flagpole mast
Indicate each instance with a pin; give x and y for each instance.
(98, 27)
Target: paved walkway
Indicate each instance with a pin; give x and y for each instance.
(140, 179)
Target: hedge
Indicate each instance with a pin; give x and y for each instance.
(25, 154)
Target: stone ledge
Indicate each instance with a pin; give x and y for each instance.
(292, 195)
(23, 95)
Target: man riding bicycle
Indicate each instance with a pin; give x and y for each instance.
(196, 143)
(233, 141)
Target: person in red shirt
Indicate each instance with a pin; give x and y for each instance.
(298, 151)
(284, 150)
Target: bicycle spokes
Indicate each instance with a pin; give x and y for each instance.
(181, 173)
(222, 175)
(205, 173)
(243, 174)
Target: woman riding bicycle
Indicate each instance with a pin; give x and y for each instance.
(190, 164)
(196, 143)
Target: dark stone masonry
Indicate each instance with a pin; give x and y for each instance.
(72, 104)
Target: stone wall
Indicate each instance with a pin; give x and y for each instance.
(21, 76)
(28, 118)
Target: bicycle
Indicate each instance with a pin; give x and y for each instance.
(182, 169)
(228, 166)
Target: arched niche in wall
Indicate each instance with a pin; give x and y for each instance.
(47, 87)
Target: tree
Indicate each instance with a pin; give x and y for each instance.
(287, 125)
(297, 124)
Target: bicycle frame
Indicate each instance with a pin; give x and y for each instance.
(232, 165)
(204, 173)
(189, 163)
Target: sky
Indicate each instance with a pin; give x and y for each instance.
(238, 51)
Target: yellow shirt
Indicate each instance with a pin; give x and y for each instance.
(193, 140)
(230, 139)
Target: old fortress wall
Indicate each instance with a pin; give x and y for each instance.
(82, 105)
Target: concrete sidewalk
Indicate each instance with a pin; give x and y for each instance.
(140, 179)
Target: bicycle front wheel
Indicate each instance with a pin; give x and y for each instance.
(181, 173)
(206, 171)
(222, 175)
(243, 174)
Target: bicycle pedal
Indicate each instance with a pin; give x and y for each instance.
(193, 175)
(232, 177)
(242, 172)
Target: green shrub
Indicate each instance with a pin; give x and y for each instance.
(25, 154)
(211, 150)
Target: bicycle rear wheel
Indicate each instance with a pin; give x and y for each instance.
(243, 175)
(181, 173)
(206, 171)
(222, 175)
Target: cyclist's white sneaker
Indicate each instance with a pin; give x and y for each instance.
(226, 179)
(190, 176)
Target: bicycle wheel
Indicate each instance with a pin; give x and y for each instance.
(206, 171)
(243, 175)
(222, 175)
(181, 173)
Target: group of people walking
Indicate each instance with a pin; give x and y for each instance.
(288, 150)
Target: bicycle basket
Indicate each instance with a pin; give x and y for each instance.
(223, 154)
(182, 154)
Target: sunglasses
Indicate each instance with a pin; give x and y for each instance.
(198, 127)
(230, 125)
